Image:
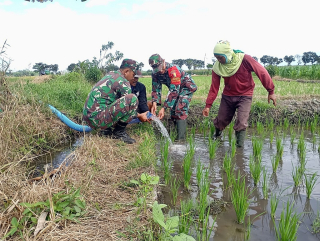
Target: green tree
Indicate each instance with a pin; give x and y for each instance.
(309, 57)
(178, 62)
(289, 59)
(108, 58)
(71, 67)
(265, 59)
(39, 67)
(254, 57)
(188, 63)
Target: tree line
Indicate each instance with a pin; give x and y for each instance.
(306, 58)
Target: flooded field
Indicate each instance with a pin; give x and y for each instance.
(281, 183)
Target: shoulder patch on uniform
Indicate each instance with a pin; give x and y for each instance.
(174, 75)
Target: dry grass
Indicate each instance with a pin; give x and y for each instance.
(99, 168)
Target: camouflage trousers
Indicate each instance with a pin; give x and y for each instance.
(123, 109)
(180, 108)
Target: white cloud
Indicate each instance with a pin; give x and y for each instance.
(6, 3)
(92, 3)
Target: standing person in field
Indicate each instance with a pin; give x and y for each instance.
(181, 88)
(111, 103)
(235, 67)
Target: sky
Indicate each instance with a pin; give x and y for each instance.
(68, 31)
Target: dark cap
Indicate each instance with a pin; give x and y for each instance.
(155, 62)
(129, 63)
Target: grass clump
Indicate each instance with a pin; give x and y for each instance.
(310, 183)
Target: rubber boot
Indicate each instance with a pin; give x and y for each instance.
(120, 133)
(217, 135)
(107, 132)
(181, 126)
(240, 135)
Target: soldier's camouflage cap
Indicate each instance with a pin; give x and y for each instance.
(155, 62)
(129, 63)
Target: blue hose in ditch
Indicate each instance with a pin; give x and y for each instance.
(82, 128)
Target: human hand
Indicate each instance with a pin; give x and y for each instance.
(143, 117)
(273, 98)
(205, 112)
(161, 113)
(153, 108)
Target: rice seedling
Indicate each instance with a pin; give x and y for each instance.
(193, 131)
(271, 137)
(265, 183)
(213, 146)
(230, 131)
(186, 219)
(292, 136)
(192, 145)
(203, 230)
(240, 198)
(288, 224)
(203, 194)
(199, 172)
(175, 184)
(296, 175)
(270, 125)
(255, 169)
(301, 145)
(314, 140)
(286, 123)
(274, 201)
(212, 131)
(279, 147)
(310, 183)
(307, 125)
(316, 223)
(260, 128)
(227, 162)
(233, 147)
(275, 163)
(314, 124)
(187, 170)
(257, 146)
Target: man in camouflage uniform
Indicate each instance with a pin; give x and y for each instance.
(111, 103)
(181, 88)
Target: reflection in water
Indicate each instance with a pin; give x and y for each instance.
(281, 183)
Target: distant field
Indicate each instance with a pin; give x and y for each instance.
(286, 90)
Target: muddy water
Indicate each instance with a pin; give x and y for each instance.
(263, 227)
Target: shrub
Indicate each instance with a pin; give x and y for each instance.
(93, 74)
(272, 70)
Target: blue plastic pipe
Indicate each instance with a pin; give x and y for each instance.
(82, 128)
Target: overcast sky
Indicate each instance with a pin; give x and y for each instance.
(67, 31)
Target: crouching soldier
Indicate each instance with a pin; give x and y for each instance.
(181, 88)
(111, 103)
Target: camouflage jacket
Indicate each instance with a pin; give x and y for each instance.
(110, 88)
(174, 88)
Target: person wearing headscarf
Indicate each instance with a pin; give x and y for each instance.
(235, 68)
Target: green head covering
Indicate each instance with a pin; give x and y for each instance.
(233, 59)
